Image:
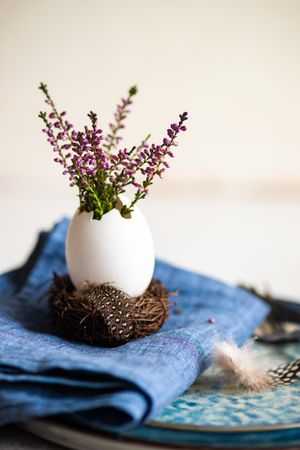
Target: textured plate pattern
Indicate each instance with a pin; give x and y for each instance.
(212, 402)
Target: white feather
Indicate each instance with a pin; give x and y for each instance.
(243, 364)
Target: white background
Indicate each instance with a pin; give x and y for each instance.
(230, 204)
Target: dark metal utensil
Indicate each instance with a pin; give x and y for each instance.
(282, 311)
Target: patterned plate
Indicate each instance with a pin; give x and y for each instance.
(212, 402)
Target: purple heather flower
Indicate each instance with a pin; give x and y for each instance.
(90, 158)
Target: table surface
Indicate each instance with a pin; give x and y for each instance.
(237, 238)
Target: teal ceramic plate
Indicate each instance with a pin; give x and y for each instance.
(216, 403)
(212, 413)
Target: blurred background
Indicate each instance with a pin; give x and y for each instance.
(230, 204)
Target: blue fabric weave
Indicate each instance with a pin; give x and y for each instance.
(42, 374)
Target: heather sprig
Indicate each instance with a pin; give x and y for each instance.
(93, 162)
(122, 111)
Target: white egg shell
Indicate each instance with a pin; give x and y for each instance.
(111, 250)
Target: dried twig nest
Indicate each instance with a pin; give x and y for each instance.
(102, 314)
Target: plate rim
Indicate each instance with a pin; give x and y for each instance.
(221, 429)
(35, 426)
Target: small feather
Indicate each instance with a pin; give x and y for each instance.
(242, 363)
(286, 374)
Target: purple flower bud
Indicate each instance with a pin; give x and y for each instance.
(183, 128)
(183, 116)
(52, 115)
(136, 184)
(174, 127)
(166, 141)
(57, 125)
(170, 133)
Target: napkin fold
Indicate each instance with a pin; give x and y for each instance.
(42, 374)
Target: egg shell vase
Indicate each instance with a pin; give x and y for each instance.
(111, 250)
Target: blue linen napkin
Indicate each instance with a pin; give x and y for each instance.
(42, 374)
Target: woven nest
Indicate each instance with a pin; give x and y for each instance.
(102, 314)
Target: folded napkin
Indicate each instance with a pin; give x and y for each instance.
(42, 374)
